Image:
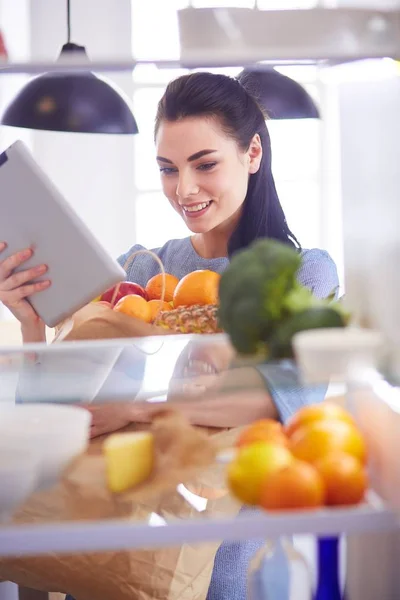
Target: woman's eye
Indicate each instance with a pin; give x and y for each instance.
(206, 166)
(167, 170)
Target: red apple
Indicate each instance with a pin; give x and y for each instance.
(125, 288)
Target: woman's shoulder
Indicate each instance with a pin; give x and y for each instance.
(170, 247)
(316, 255)
(318, 272)
(141, 267)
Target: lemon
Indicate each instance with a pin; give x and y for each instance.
(249, 472)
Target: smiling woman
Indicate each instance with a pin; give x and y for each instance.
(214, 156)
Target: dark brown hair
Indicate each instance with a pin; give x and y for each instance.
(224, 98)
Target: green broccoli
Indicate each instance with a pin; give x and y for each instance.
(260, 298)
(280, 343)
(252, 290)
(301, 298)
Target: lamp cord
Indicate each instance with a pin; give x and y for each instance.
(68, 22)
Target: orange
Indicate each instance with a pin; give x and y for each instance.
(154, 287)
(345, 478)
(198, 287)
(297, 485)
(157, 306)
(134, 306)
(317, 412)
(252, 467)
(264, 430)
(312, 442)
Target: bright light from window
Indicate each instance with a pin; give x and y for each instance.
(155, 29)
(156, 221)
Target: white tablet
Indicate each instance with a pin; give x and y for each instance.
(33, 213)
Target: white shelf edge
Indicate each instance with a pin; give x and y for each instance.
(67, 537)
(240, 34)
(106, 66)
(237, 37)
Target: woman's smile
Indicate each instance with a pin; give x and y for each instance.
(194, 211)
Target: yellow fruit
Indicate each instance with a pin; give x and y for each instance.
(198, 287)
(317, 412)
(129, 459)
(345, 478)
(312, 442)
(249, 472)
(294, 486)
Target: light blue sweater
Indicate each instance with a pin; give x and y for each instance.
(318, 273)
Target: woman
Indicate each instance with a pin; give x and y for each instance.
(214, 155)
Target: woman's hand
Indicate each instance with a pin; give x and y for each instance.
(107, 418)
(199, 369)
(15, 287)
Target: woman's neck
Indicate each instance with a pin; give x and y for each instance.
(210, 246)
(214, 243)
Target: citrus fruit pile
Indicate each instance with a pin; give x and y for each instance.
(189, 306)
(317, 459)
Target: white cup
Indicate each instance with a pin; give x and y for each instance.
(336, 354)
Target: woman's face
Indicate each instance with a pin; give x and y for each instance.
(204, 173)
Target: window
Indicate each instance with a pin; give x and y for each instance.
(295, 144)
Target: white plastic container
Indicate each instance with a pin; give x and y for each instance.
(52, 434)
(335, 354)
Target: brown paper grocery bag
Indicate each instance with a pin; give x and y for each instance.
(97, 321)
(185, 456)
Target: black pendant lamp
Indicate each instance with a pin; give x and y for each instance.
(71, 101)
(280, 96)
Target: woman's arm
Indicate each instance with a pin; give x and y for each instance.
(224, 411)
(238, 398)
(232, 410)
(33, 333)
